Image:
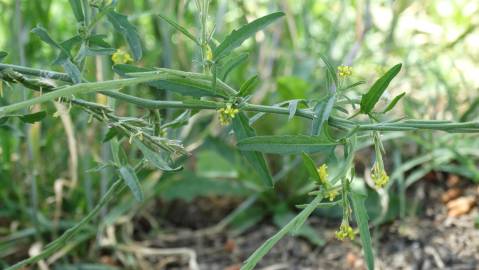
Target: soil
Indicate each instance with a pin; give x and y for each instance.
(438, 238)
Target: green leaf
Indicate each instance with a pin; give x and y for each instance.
(305, 231)
(394, 102)
(362, 221)
(99, 41)
(292, 225)
(248, 86)
(33, 117)
(112, 133)
(67, 46)
(123, 26)
(286, 144)
(237, 37)
(352, 85)
(64, 58)
(180, 28)
(131, 180)
(154, 157)
(310, 166)
(331, 71)
(229, 63)
(185, 83)
(369, 100)
(243, 130)
(42, 33)
(322, 111)
(77, 10)
(3, 55)
(181, 120)
(72, 70)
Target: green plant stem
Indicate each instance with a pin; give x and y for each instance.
(341, 123)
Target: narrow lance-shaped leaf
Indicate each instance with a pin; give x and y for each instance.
(229, 63)
(123, 26)
(180, 28)
(362, 221)
(128, 174)
(248, 86)
(286, 144)
(154, 157)
(331, 72)
(237, 37)
(322, 111)
(77, 10)
(42, 33)
(243, 130)
(33, 117)
(310, 166)
(72, 70)
(369, 100)
(185, 83)
(292, 226)
(394, 102)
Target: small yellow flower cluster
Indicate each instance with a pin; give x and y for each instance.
(323, 181)
(331, 194)
(379, 176)
(345, 231)
(345, 71)
(227, 114)
(121, 57)
(323, 173)
(209, 53)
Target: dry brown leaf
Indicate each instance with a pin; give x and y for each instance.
(450, 194)
(233, 267)
(230, 246)
(460, 206)
(453, 180)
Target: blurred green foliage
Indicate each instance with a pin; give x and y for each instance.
(436, 41)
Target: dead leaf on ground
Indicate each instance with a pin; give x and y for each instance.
(453, 180)
(450, 194)
(460, 206)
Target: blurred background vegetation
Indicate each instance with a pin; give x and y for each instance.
(48, 171)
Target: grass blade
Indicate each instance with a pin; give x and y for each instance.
(131, 180)
(292, 226)
(362, 221)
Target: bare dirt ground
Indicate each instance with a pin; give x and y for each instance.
(443, 236)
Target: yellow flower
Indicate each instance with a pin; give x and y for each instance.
(323, 173)
(331, 194)
(209, 53)
(227, 114)
(121, 57)
(345, 231)
(345, 71)
(379, 176)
